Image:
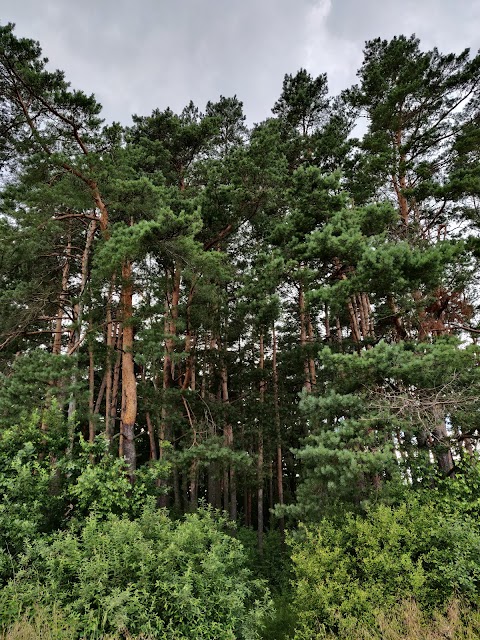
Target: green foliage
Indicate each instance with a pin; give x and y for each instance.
(99, 483)
(155, 261)
(185, 579)
(42, 623)
(372, 403)
(304, 102)
(352, 570)
(408, 621)
(36, 379)
(31, 500)
(273, 565)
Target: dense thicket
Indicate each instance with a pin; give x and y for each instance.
(279, 322)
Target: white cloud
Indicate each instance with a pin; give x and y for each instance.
(327, 52)
(136, 55)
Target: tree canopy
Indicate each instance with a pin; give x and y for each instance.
(276, 322)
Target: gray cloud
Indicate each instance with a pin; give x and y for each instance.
(136, 56)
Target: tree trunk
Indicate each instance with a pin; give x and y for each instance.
(311, 361)
(328, 332)
(76, 335)
(441, 445)
(193, 488)
(279, 465)
(260, 479)
(91, 394)
(129, 382)
(110, 343)
(118, 346)
(57, 336)
(307, 384)
(151, 436)
(189, 378)
(230, 485)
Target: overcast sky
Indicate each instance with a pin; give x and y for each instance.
(136, 55)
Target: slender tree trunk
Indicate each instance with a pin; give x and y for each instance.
(328, 332)
(57, 337)
(172, 324)
(151, 436)
(150, 428)
(110, 343)
(260, 523)
(177, 492)
(364, 328)
(248, 515)
(164, 431)
(370, 315)
(129, 382)
(91, 394)
(76, 335)
(271, 502)
(189, 377)
(260, 479)
(230, 484)
(354, 326)
(163, 499)
(58, 330)
(118, 346)
(338, 327)
(101, 393)
(279, 465)
(311, 361)
(399, 179)
(441, 445)
(307, 384)
(214, 479)
(193, 488)
(396, 318)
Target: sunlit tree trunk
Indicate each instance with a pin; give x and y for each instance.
(129, 382)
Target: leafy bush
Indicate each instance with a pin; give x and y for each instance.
(350, 572)
(150, 576)
(98, 482)
(30, 484)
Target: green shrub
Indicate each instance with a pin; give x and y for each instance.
(30, 486)
(150, 576)
(348, 573)
(98, 482)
